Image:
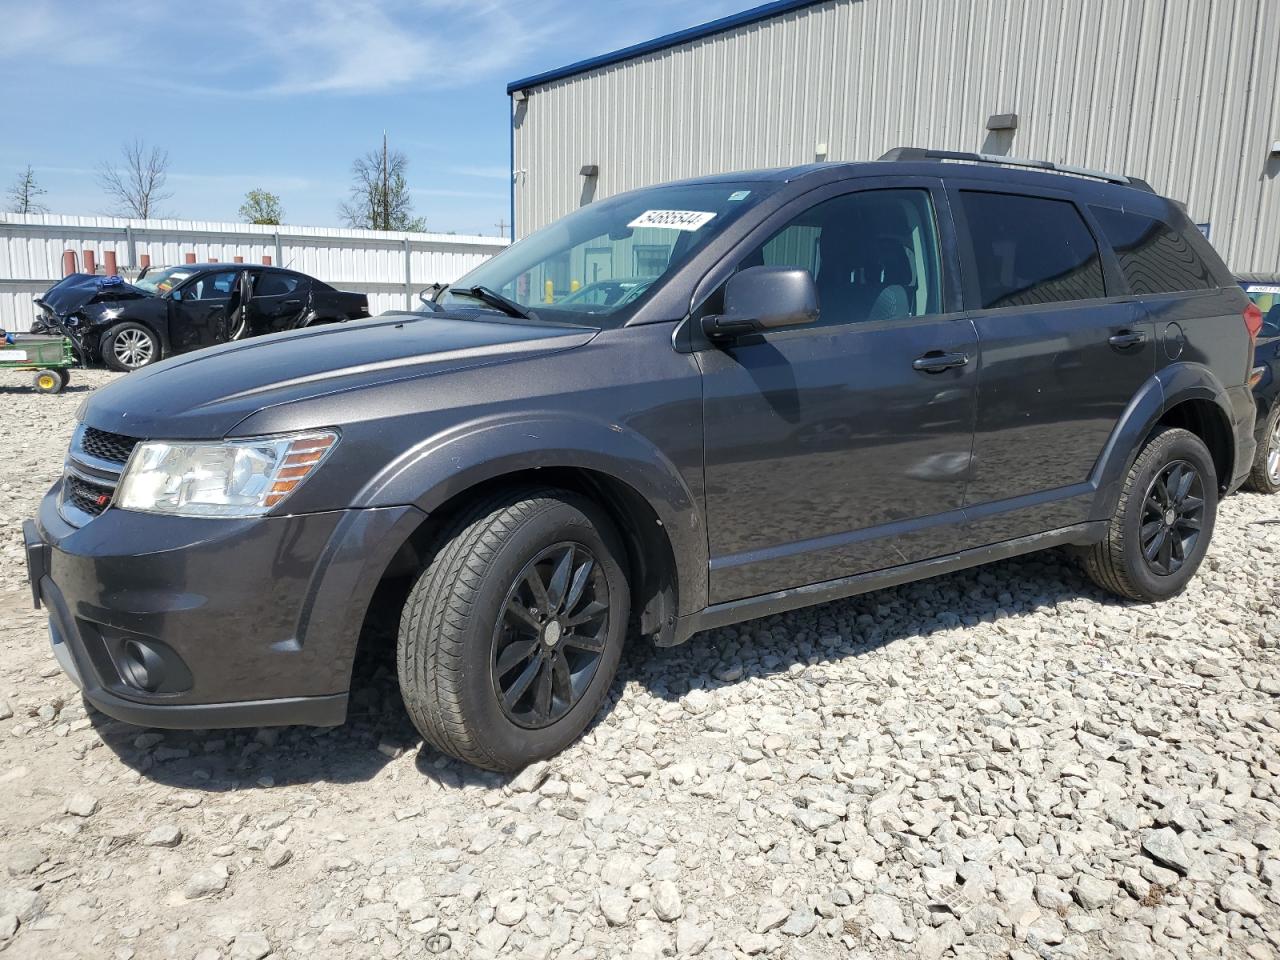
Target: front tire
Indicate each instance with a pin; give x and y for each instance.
(1265, 475)
(129, 346)
(511, 637)
(1161, 529)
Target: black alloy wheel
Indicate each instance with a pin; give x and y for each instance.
(548, 641)
(1172, 517)
(511, 636)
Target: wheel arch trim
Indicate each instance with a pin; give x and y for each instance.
(441, 468)
(1166, 390)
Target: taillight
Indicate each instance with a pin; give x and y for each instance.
(1253, 320)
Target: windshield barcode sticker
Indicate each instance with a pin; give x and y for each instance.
(672, 219)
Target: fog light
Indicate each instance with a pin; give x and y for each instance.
(141, 667)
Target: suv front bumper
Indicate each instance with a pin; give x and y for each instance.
(205, 623)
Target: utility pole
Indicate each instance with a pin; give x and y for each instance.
(502, 226)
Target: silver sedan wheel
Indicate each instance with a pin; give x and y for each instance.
(1273, 454)
(133, 348)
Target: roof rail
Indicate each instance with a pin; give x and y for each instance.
(923, 153)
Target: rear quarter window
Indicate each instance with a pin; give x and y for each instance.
(1030, 250)
(1154, 256)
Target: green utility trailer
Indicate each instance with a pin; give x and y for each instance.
(51, 358)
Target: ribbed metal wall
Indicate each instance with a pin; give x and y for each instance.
(390, 267)
(1183, 93)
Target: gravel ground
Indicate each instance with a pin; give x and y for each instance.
(1002, 763)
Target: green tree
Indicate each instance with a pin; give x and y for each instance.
(380, 194)
(261, 206)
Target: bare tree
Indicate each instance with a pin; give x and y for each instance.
(137, 190)
(25, 194)
(380, 194)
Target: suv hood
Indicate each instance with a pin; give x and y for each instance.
(203, 395)
(77, 290)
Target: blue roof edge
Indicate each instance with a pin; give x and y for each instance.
(763, 12)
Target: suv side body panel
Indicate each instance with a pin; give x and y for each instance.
(826, 453)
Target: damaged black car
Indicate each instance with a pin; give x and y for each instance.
(172, 310)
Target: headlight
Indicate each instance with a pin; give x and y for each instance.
(227, 478)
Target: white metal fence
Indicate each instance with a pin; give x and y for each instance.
(390, 267)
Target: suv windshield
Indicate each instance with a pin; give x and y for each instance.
(598, 264)
(162, 281)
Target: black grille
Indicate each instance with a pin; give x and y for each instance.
(88, 497)
(107, 446)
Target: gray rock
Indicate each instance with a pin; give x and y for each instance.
(165, 835)
(1165, 847)
(493, 937)
(1022, 914)
(800, 923)
(510, 908)
(531, 777)
(276, 855)
(773, 914)
(22, 903)
(252, 945)
(691, 938)
(8, 926)
(24, 859)
(666, 901)
(206, 883)
(82, 805)
(1092, 893)
(1235, 897)
(615, 907)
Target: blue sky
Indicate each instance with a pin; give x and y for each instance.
(284, 95)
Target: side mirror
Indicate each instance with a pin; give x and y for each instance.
(764, 298)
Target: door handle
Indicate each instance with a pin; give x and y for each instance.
(936, 361)
(1129, 338)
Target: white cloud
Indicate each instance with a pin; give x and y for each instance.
(268, 48)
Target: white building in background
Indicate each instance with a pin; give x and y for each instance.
(1184, 94)
(390, 267)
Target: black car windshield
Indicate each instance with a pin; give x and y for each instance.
(598, 264)
(162, 281)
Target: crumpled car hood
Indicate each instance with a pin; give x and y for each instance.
(204, 394)
(80, 289)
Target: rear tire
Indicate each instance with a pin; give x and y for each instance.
(1162, 525)
(1265, 475)
(129, 346)
(64, 375)
(490, 673)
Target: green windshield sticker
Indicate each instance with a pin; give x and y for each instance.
(739, 194)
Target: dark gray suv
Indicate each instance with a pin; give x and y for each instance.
(837, 377)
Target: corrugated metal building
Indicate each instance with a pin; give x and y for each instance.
(1182, 93)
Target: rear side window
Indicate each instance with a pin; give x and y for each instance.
(1030, 250)
(1154, 257)
(274, 285)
